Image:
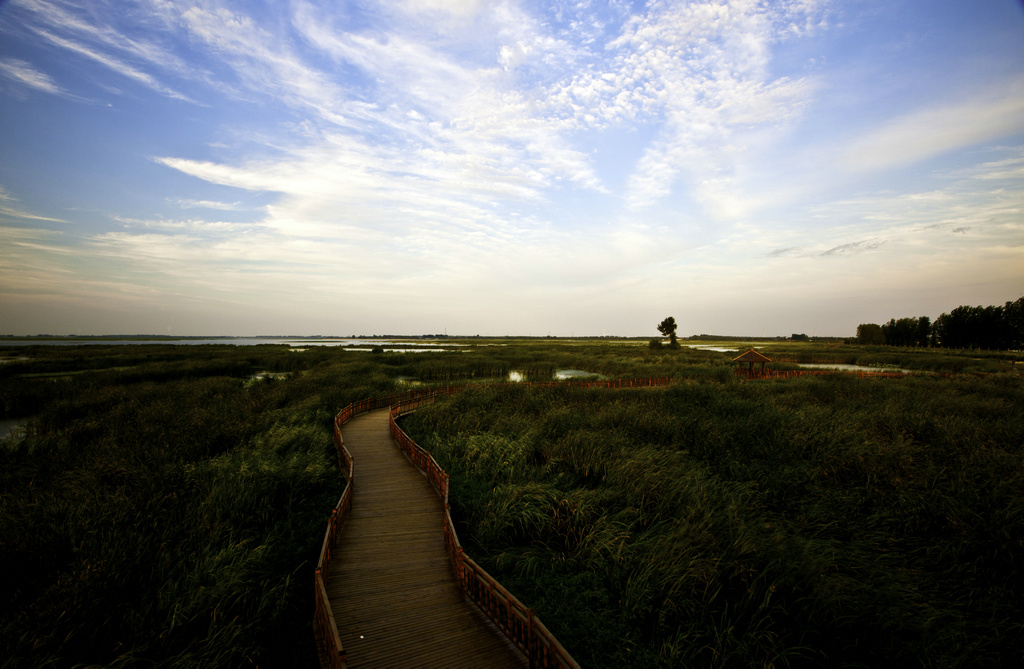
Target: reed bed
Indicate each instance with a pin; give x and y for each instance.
(915, 359)
(166, 505)
(825, 521)
(165, 508)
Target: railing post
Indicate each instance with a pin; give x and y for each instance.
(530, 643)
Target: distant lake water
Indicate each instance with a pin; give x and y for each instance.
(397, 346)
(719, 349)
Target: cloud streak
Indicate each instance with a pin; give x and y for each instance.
(938, 129)
(9, 209)
(505, 158)
(63, 25)
(23, 73)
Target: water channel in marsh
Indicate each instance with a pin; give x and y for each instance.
(852, 368)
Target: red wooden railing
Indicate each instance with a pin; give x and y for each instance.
(324, 617)
(519, 623)
(325, 622)
(510, 615)
(756, 374)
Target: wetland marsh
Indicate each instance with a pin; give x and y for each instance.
(165, 504)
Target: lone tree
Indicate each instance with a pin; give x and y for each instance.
(668, 328)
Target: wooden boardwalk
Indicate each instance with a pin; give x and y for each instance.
(391, 585)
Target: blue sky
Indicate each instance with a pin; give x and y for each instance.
(475, 167)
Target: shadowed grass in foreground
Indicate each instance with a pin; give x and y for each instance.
(168, 512)
(166, 505)
(829, 521)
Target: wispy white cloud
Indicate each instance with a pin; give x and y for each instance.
(453, 109)
(621, 156)
(501, 125)
(937, 129)
(199, 226)
(266, 63)
(31, 238)
(445, 143)
(448, 139)
(866, 259)
(23, 73)
(185, 203)
(9, 208)
(699, 72)
(854, 247)
(965, 235)
(35, 268)
(112, 63)
(64, 25)
(460, 8)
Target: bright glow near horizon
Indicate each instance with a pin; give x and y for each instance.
(215, 167)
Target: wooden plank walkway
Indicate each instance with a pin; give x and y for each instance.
(391, 585)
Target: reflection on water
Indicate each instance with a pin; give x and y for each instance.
(387, 349)
(299, 343)
(265, 376)
(854, 368)
(713, 348)
(562, 374)
(259, 376)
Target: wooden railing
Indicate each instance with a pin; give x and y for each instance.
(326, 624)
(513, 618)
(518, 623)
(756, 374)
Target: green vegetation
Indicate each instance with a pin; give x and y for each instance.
(825, 521)
(166, 508)
(992, 328)
(166, 505)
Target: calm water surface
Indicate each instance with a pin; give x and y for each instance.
(298, 343)
(854, 368)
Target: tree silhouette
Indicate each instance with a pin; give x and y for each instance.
(994, 328)
(870, 333)
(668, 328)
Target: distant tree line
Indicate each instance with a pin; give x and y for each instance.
(994, 327)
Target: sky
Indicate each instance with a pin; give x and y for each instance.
(565, 168)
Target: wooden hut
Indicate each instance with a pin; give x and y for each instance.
(751, 357)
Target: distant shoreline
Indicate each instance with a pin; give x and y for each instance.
(270, 339)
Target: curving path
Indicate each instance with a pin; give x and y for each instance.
(391, 585)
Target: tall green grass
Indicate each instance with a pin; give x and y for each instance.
(915, 359)
(166, 509)
(827, 521)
